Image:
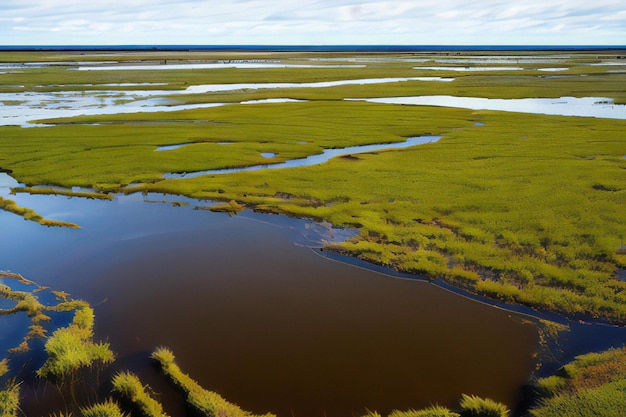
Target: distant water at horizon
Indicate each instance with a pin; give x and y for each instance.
(311, 48)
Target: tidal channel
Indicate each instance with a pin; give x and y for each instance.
(255, 314)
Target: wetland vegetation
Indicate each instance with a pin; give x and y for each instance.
(522, 208)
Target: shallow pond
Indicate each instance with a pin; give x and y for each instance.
(602, 107)
(470, 68)
(240, 65)
(22, 108)
(253, 313)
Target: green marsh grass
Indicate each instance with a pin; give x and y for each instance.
(67, 193)
(107, 408)
(9, 400)
(473, 406)
(29, 214)
(469, 406)
(206, 402)
(592, 385)
(515, 201)
(28, 303)
(525, 209)
(129, 386)
(433, 411)
(231, 207)
(71, 348)
(10, 395)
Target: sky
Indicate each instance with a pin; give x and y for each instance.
(305, 22)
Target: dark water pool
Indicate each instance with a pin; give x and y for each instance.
(256, 316)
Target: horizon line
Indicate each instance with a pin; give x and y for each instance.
(310, 47)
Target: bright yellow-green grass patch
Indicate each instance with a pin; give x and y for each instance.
(9, 396)
(29, 214)
(592, 385)
(67, 193)
(206, 402)
(130, 387)
(469, 406)
(72, 347)
(9, 400)
(107, 408)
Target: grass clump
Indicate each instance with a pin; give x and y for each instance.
(206, 402)
(432, 411)
(231, 207)
(29, 214)
(473, 406)
(67, 193)
(470, 406)
(4, 366)
(9, 400)
(130, 387)
(107, 408)
(605, 401)
(70, 348)
(592, 385)
(10, 396)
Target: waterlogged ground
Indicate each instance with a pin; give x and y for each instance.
(249, 309)
(27, 107)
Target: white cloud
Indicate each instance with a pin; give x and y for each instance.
(312, 22)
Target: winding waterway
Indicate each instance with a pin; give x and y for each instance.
(325, 156)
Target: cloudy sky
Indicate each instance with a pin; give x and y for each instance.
(313, 22)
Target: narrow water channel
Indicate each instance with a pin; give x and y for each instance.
(325, 156)
(257, 316)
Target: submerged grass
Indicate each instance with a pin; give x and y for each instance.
(25, 302)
